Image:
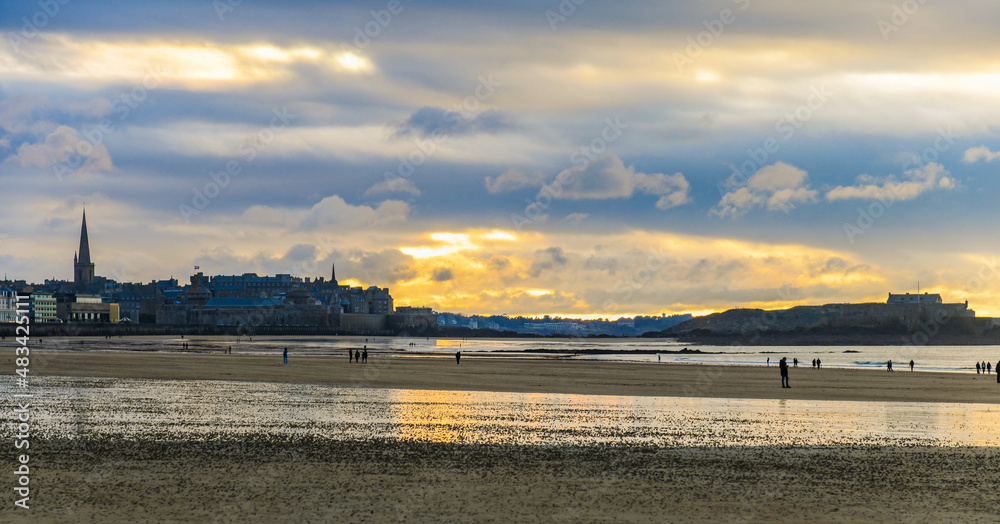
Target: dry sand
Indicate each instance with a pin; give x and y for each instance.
(270, 479)
(525, 375)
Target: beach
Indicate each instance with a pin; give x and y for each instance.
(529, 375)
(308, 476)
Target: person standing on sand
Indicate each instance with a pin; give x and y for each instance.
(458, 358)
(818, 363)
(783, 366)
(350, 355)
(768, 361)
(357, 356)
(977, 368)
(284, 356)
(911, 365)
(364, 355)
(795, 362)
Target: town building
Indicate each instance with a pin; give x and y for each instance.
(42, 307)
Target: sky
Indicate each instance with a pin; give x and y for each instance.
(575, 157)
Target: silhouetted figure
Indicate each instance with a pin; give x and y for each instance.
(458, 358)
(350, 355)
(768, 361)
(814, 363)
(364, 356)
(998, 372)
(819, 363)
(783, 367)
(888, 366)
(795, 362)
(977, 368)
(911, 364)
(357, 356)
(284, 356)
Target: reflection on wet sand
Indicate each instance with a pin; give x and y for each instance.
(206, 410)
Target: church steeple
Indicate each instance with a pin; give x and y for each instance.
(83, 268)
(84, 241)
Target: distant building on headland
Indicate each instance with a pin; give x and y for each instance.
(907, 298)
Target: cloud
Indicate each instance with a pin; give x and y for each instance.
(442, 274)
(512, 180)
(429, 121)
(915, 182)
(64, 146)
(333, 211)
(396, 185)
(975, 154)
(778, 187)
(300, 252)
(607, 177)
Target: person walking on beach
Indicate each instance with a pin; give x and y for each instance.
(364, 355)
(795, 362)
(768, 361)
(357, 356)
(911, 365)
(814, 363)
(888, 366)
(350, 355)
(458, 358)
(783, 367)
(977, 368)
(284, 356)
(818, 363)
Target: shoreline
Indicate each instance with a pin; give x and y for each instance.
(528, 375)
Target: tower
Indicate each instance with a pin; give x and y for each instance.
(333, 273)
(83, 268)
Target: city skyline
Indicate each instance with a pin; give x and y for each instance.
(526, 159)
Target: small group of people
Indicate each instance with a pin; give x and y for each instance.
(817, 362)
(987, 368)
(358, 356)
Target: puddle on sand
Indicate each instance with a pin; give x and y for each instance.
(209, 410)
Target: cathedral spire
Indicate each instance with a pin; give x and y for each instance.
(83, 268)
(84, 242)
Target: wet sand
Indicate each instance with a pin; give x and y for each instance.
(527, 375)
(370, 481)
